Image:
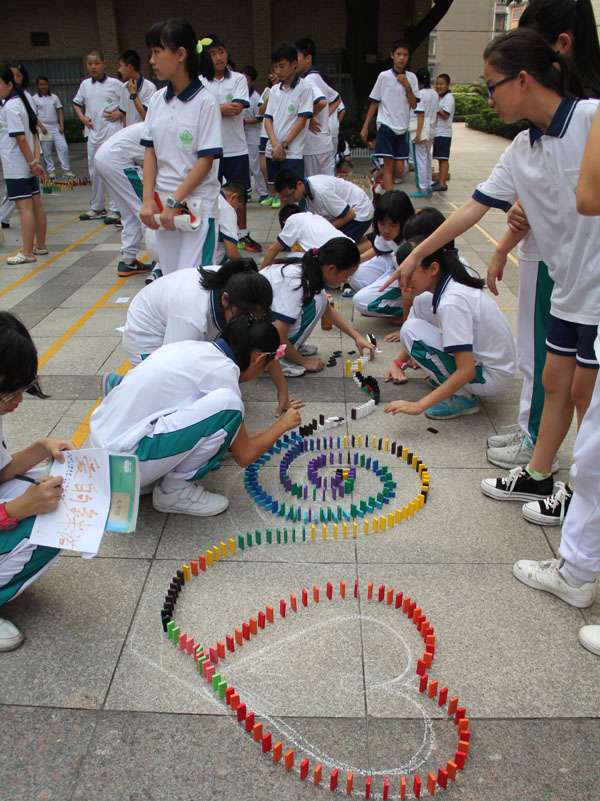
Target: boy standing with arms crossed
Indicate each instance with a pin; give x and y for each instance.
(136, 90)
(443, 131)
(395, 93)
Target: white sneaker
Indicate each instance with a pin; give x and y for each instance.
(189, 500)
(546, 576)
(307, 350)
(517, 453)
(516, 434)
(589, 637)
(10, 636)
(290, 369)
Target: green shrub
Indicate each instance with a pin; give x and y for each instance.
(73, 131)
(488, 121)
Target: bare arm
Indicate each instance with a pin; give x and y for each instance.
(31, 158)
(362, 343)
(588, 197)
(496, 266)
(149, 207)
(231, 109)
(61, 120)
(247, 448)
(370, 113)
(341, 221)
(271, 254)
(86, 121)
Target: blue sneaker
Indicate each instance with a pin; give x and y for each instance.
(422, 193)
(454, 406)
(109, 382)
(153, 276)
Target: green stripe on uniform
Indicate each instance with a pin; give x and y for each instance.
(208, 249)
(422, 352)
(134, 180)
(541, 315)
(308, 315)
(379, 307)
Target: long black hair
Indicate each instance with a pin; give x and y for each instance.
(424, 223)
(246, 288)
(17, 89)
(339, 251)
(175, 33)
(394, 204)
(245, 334)
(449, 262)
(18, 357)
(525, 49)
(550, 18)
(23, 70)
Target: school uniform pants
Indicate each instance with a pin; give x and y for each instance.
(311, 315)
(97, 201)
(125, 187)
(21, 562)
(423, 340)
(422, 159)
(186, 444)
(62, 149)
(580, 541)
(7, 207)
(180, 249)
(366, 283)
(319, 164)
(535, 290)
(259, 178)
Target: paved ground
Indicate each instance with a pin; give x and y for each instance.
(99, 705)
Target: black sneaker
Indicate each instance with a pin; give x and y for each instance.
(5, 224)
(153, 276)
(518, 485)
(135, 268)
(247, 243)
(552, 510)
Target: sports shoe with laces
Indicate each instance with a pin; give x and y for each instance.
(516, 434)
(153, 276)
(249, 244)
(135, 268)
(589, 637)
(267, 201)
(93, 214)
(189, 500)
(454, 406)
(552, 510)
(518, 485)
(518, 452)
(276, 204)
(10, 636)
(112, 217)
(547, 576)
(307, 350)
(291, 369)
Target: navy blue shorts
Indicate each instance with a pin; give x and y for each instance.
(441, 147)
(235, 168)
(564, 338)
(355, 229)
(262, 145)
(19, 188)
(273, 167)
(390, 145)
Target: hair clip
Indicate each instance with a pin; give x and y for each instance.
(202, 43)
(251, 319)
(280, 351)
(315, 251)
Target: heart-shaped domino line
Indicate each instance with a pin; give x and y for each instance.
(207, 659)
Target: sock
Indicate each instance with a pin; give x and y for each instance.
(535, 475)
(575, 577)
(242, 232)
(128, 261)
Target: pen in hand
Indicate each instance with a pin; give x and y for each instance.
(26, 478)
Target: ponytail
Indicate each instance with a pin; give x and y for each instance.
(7, 76)
(525, 49)
(216, 279)
(340, 251)
(449, 262)
(245, 334)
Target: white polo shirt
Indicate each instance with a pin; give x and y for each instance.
(445, 103)
(469, 320)
(385, 247)
(228, 228)
(170, 378)
(145, 90)
(287, 299)
(231, 88)
(14, 121)
(320, 142)
(394, 108)
(284, 107)
(542, 171)
(334, 124)
(5, 457)
(46, 109)
(124, 149)
(182, 128)
(95, 97)
(332, 197)
(306, 230)
(252, 132)
(179, 310)
(428, 106)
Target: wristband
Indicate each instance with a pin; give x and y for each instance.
(284, 144)
(7, 523)
(401, 365)
(133, 95)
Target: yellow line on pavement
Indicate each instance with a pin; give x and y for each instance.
(83, 429)
(28, 275)
(48, 233)
(482, 230)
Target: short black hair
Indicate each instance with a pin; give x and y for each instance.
(250, 71)
(287, 179)
(238, 188)
(446, 77)
(42, 78)
(95, 51)
(131, 58)
(307, 47)
(284, 52)
(423, 77)
(285, 212)
(400, 43)
(216, 41)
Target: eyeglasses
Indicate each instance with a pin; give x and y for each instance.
(287, 197)
(491, 89)
(13, 395)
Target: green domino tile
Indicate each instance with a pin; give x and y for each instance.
(380, 497)
(285, 535)
(353, 510)
(257, 532)
(383, 470)
(363, 506)
(347, 487)
(371, 501)
(170, 627)
(278, 537)
(222, 688)
(241, 542)
(269, 536)
(257, 537)
(314, 494)
(303, 533)
(328, 513)
(362, 460)
(175, 634)
(216, 680)
(249, 539)
(293, 535)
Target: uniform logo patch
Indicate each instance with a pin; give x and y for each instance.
(185, 137)
(229, 97)
(291, 108)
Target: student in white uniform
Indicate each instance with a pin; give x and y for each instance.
(119, 164)
(232, 197)
(346, 205)
(21, 562)
(456, 333)
(262, 144)
(426, 111)
(253, 121)
(443, 130)
(20, 150)
(395, 93)
(300, 300)
(300, 231)
(96, 105)
(540, 168)
(182, 136)
(49, 111)
(318, 154)
(392, 210)
(136, 90)
(181, 409)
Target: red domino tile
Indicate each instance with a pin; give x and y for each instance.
(245, 631)
(459, 713)
(241, 712)
(202, 562)
(229, 642)
(194, 566)
(423, 682)
(329, 590)
(459, 759)
(443, 696)
(261, 619)
(304, 598)
(417, 786)
(381, 593)
(386, 788)
(249, 721)
(282, 607)
(334, 779)
(356, 588)
(421, 667)
(398, 602)
(442, 777)
(266, 742)
(304, 769)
